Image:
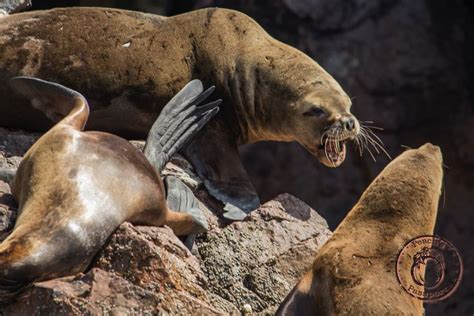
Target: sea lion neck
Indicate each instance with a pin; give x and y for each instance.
(252, 71)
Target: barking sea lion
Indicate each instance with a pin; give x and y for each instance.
(128, 64)
(355, 271)
(74, 188)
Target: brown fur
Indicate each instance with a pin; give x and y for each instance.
(267, 86)
(73, 189)
(354, 272)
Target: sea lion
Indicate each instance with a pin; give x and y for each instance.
(354, 273)
(128, 64)
(74, 188)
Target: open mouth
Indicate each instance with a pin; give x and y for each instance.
(333, 149)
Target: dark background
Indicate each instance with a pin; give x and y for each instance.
(408, 64)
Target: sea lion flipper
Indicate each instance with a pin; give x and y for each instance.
(184, 215)
(56, 101)
(233, 213)
(179, 197)
(215, 157)
(178, 122)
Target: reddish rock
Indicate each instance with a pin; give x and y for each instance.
(258, 261)
(102, 293)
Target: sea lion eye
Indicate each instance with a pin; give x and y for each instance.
(314, 111)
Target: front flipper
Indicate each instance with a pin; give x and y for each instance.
(214, 155)
(178, 122)
(180, 198)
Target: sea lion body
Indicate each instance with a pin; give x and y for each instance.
(72, 194)
(74, 188)
(128, 64)
(354, 273)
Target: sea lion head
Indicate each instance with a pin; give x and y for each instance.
(308, 106)
(325, 122)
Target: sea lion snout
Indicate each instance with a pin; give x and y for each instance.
(348, 124)
(341, 128)
(432, 150)
(427, 151)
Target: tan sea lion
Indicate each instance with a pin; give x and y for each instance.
(74, 188)
(355, 271)
(128, 64)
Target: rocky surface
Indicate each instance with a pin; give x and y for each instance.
(240, 268)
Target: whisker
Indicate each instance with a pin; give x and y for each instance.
(375, 135)
(371, 154)
(371, 122)
(374, 140)
(380, 143)
(363, 134)
(359, 147)
(365, 142)
(376, 127)
(375, 143)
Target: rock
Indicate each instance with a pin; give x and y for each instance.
(163, 263)
(182, 169)
(141, 270)
(7, 210)
(13, 145)
(12, 6)
(257, 262)
(94, 293)
(102, 293)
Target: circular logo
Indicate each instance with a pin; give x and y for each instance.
(429, 268)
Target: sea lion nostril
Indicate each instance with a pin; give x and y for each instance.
(348, 124)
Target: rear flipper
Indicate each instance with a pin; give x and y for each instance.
(215, 157)
(181, 198)
(178, 122)
(185, 224)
